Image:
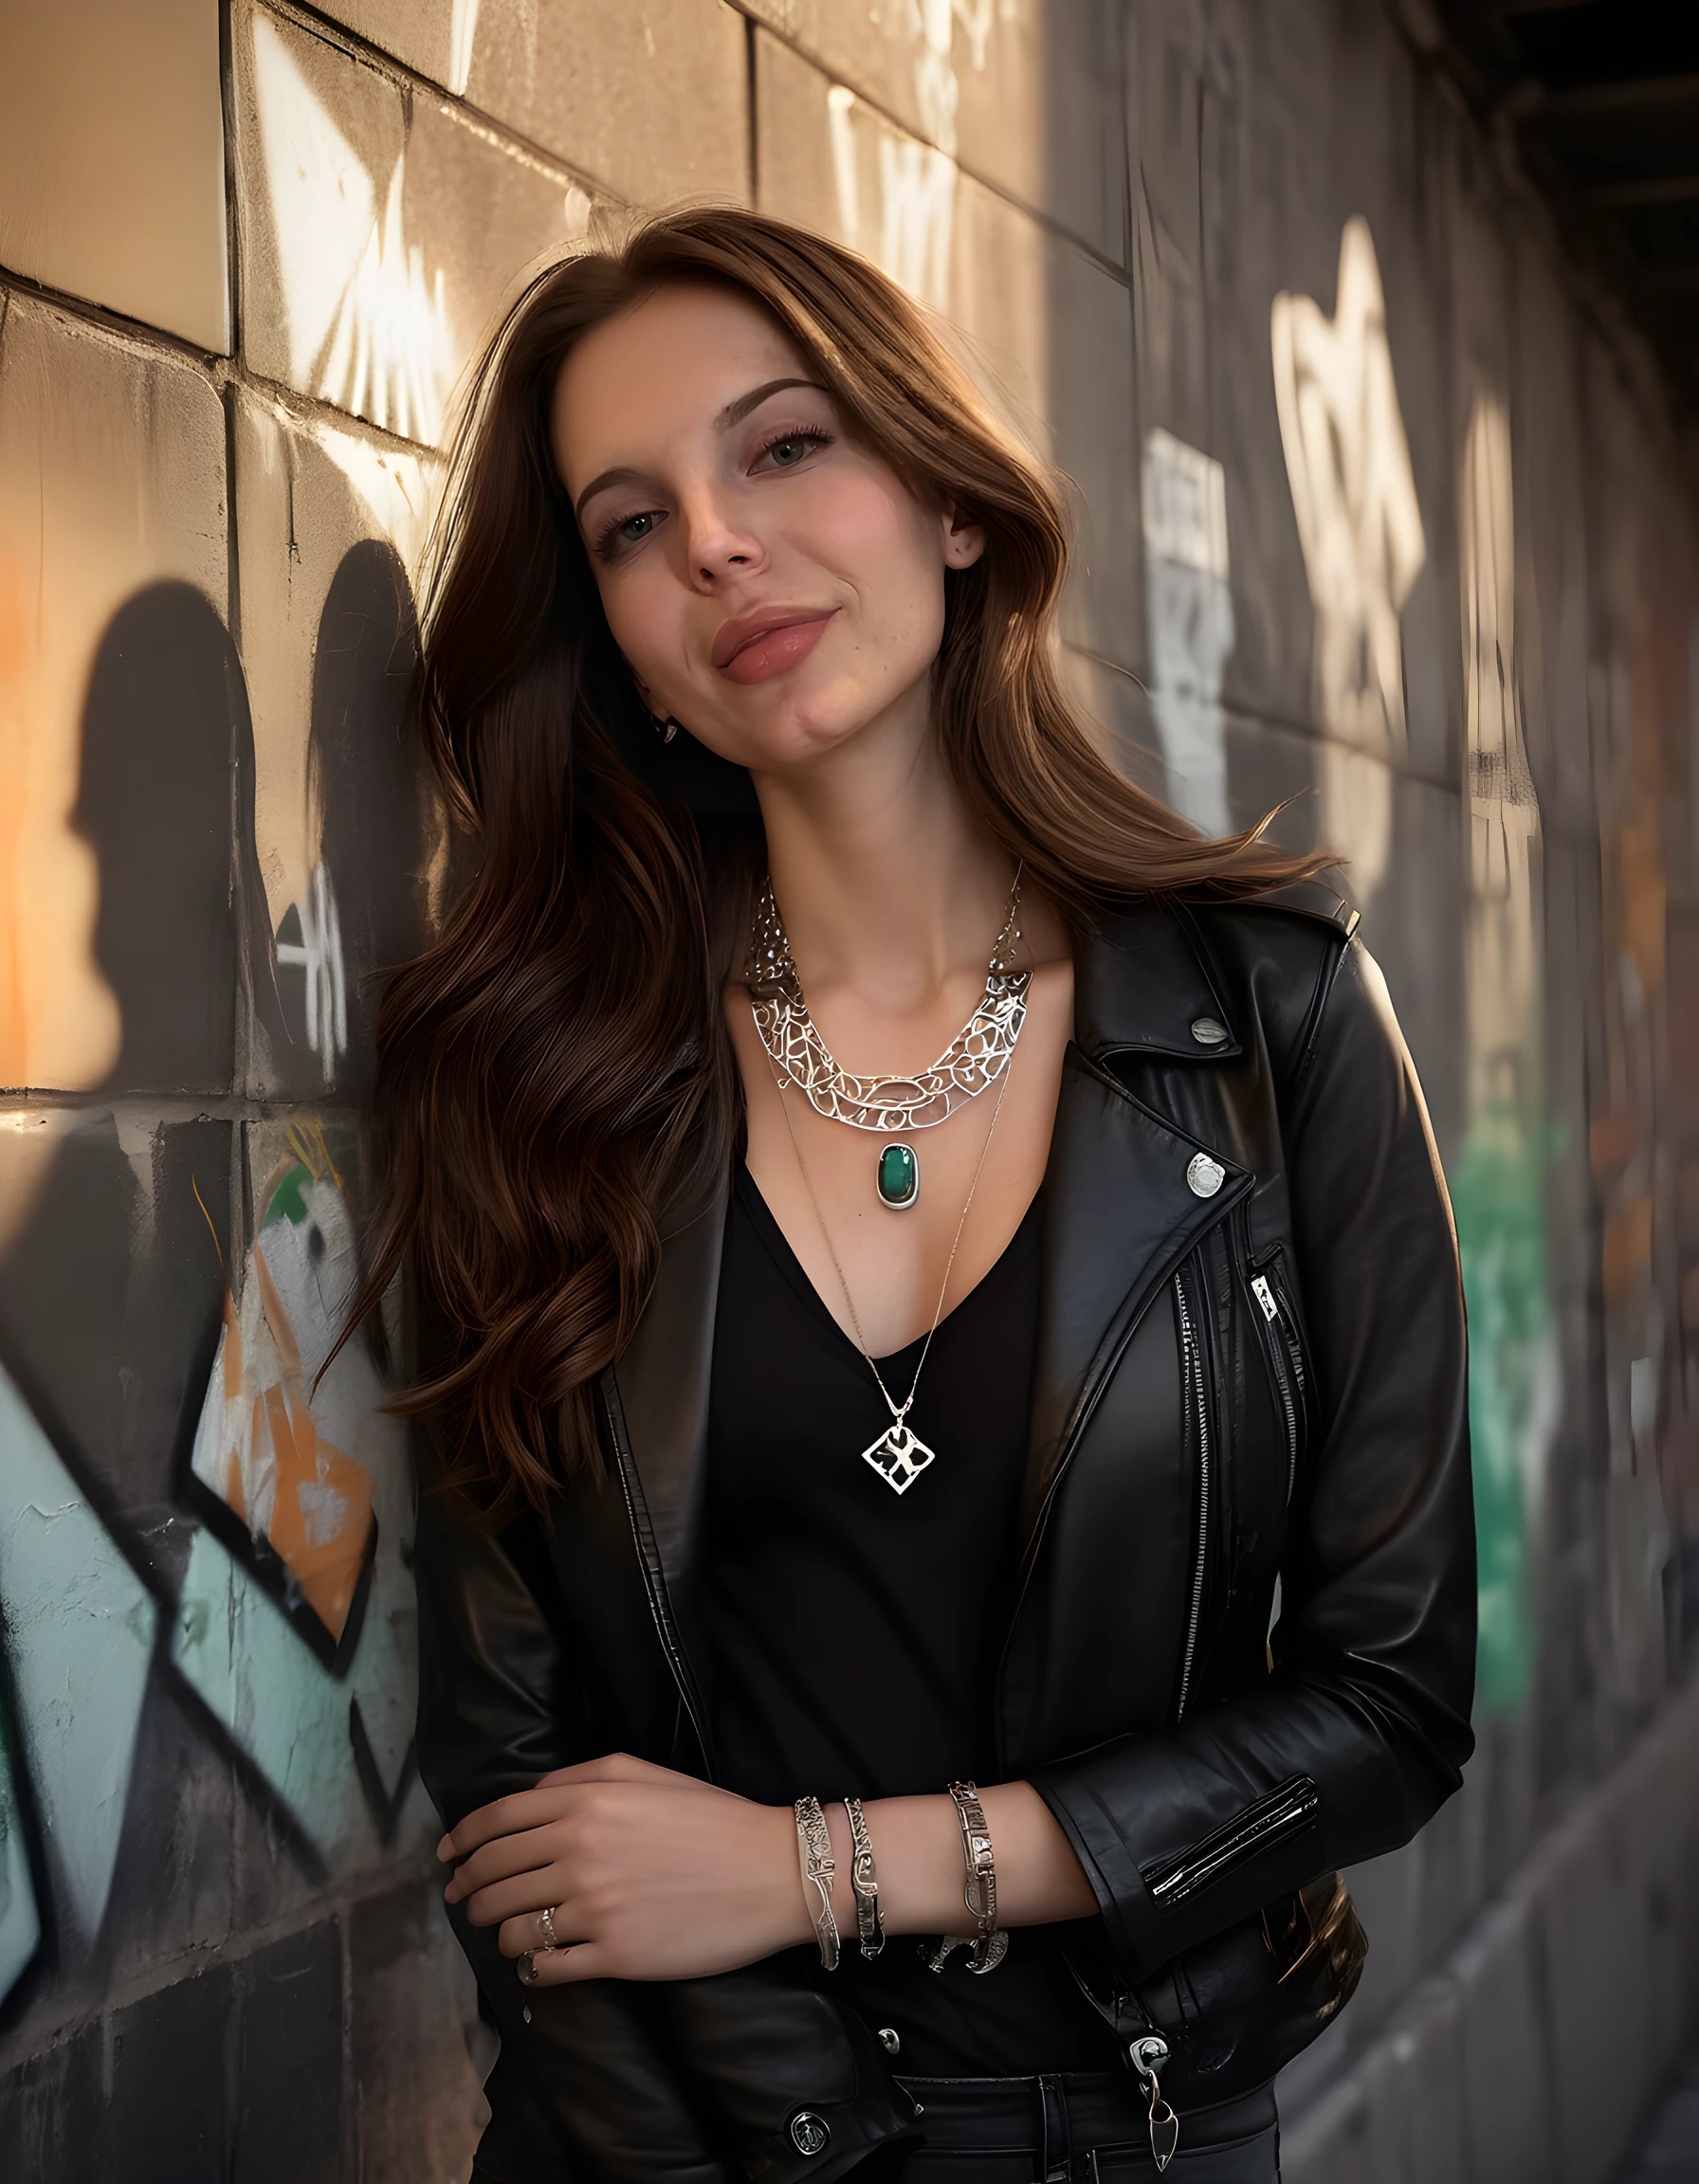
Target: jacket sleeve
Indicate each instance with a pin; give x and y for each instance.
(584, 2087)
(1362, 1729)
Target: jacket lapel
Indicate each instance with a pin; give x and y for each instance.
(661, 1385)
(1121, 1210)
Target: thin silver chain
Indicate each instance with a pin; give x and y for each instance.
(894, 1102)
(897, 1414)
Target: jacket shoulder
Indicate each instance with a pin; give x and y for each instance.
(1203, 980)
(1274, 957)
(1314, 900)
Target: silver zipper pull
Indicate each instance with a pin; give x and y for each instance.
(1145, 2054)
(1265, 1297)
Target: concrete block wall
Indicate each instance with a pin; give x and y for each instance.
(1381, 509)
(1527, 2055)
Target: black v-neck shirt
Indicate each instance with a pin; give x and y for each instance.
(848, 1636)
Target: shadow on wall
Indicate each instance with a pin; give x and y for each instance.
(147, 1369)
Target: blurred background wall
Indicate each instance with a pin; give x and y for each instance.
(1384, 506)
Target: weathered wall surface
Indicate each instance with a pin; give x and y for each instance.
(1376, 512)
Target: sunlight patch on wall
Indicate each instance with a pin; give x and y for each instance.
(111, 477)
(1360, 528)
(463, 38)
(368, 326)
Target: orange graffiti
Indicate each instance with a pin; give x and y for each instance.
(321, 1519)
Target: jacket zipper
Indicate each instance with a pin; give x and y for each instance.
(1285, 1359)
(1194, 1372)
(1291, 1805)
(1088, 1405)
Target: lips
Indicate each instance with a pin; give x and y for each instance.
(796, 627)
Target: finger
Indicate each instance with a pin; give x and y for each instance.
(525, 1931)
(509, 1816)
(563, 1967)
(613, 1767)
(501, 1859)
(527, 1893)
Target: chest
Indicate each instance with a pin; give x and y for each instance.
(1165, 1426)
(884, 1271)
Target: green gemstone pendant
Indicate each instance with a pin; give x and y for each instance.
(898, 1177)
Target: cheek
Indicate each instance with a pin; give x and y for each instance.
(643, 613)
(888, 548)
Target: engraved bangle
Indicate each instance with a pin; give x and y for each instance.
(863, 1881)
(980, 1893)
(819, 1871)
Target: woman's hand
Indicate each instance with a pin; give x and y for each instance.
(650, 1875)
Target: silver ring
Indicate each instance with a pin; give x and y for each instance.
(546, 1926)
(527, 1968)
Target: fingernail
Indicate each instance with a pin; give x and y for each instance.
(445, 1849)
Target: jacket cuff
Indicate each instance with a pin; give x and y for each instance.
(1130, 1919)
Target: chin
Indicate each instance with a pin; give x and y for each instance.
(805, 725)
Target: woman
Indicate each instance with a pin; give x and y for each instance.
(914, 1247)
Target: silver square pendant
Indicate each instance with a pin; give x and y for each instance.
(898, 1457)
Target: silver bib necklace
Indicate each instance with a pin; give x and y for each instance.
(891, 1105)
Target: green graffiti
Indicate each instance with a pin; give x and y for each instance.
(288, 1203)
(1498, 1196)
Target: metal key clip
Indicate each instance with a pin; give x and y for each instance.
(1144, 2054)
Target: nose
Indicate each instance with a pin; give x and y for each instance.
(718, 540)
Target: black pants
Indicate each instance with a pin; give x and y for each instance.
(1083, 2128)
(1080, 2128)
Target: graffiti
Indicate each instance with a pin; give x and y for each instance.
(1190, 605)
(282, 1601)
(314, 1678)
(1498, 1180)
(315, 948)
(80, 1628)
(913, 237)
(1360, 530)
(20, 1915)
(261, 1446)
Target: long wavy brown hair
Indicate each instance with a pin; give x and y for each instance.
(555, 1081)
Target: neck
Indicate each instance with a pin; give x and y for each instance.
(885, 884)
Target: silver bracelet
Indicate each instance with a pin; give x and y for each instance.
(863, 1881)
(980, 1893)
(819, 1870)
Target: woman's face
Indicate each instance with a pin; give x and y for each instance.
(774, 585)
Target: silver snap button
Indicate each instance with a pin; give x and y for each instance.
(1204, 1175)
(808, 2134)
(1209, 1031)
(890, 2040)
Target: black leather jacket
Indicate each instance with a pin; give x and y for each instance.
(1251, 1368)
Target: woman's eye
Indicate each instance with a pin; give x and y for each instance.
(791, 448)
(634, 528)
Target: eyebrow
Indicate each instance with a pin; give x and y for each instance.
(734, 413)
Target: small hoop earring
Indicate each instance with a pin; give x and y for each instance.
(665, 729)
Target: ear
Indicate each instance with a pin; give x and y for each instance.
(964, 542)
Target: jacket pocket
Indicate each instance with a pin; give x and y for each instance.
(1286, 1811)
(1283, 1353)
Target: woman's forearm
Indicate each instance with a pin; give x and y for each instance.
(917, 1849)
